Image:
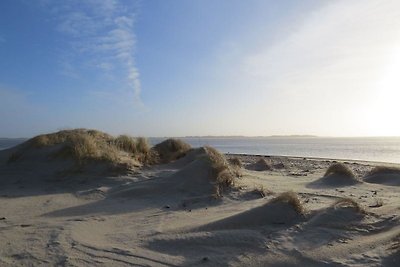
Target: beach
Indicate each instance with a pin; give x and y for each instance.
(165, 215)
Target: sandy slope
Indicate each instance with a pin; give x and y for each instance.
(164, 216)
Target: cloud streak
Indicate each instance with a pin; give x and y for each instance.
(331, 73)
(102, 32)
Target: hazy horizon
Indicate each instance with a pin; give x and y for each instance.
(229, 136)
(200, 68)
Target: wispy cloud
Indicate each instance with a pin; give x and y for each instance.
(327, 70)
(101, 32)
(342, 36)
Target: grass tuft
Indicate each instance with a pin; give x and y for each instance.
(339, 169)
(349, 203)
(292, 199)
(126, 143)
(84, 146)
(222, 173)
(261, 191)
(170, 150)
(262, 165)
(384, 170)
(236, 162)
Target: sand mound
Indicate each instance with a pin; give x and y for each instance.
(337, 174)
(79, 150)
(384, 175)
(284, 209)
(205, 172)
(189, 157)
(236, 162)
(341, 214)
(260, 165)
(171, 150)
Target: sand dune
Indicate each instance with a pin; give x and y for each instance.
(384, 175)
(194, 209)
(337, 175)
(277, 211)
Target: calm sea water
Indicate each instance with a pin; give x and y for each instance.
(371, 149)
(10, 142)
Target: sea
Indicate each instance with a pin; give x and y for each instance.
(378, 149)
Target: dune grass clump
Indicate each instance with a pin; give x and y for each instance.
(349, 203)
(261, 165)
(261, 191)
(170, 150)
(131, 144)
(138, 147)
(84, 146)
(236, 162)
(290, 198)
(125, 143)
(51, 139)
(379, 170)
(340, 169)
(223, 175)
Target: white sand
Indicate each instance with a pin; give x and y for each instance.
(164, 216)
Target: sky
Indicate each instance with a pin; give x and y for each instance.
(201, 67)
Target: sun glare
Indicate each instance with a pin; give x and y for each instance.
(387, 108)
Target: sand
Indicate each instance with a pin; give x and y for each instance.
(166, 215)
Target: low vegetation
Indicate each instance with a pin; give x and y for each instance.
(236, 162)
(349, 203)
(51, 139)
(170, 150)
(290, 198)
(261, 165)
(139, 147)
(384, 170)
(223, 175)
(341, 170)
(261, 191)
(85, 146)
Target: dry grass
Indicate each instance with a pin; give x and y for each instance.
(349, 203)
(384, 170)
(236, 162)
(125, 143)
(170, 150)
(262, 165)
(84, 146)
(222, 173)
(261, 191)
(290, 198)
(139, 147)
(142, 145)
(45, 140)
(339, 169)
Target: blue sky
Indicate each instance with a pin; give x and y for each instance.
(176, 68)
